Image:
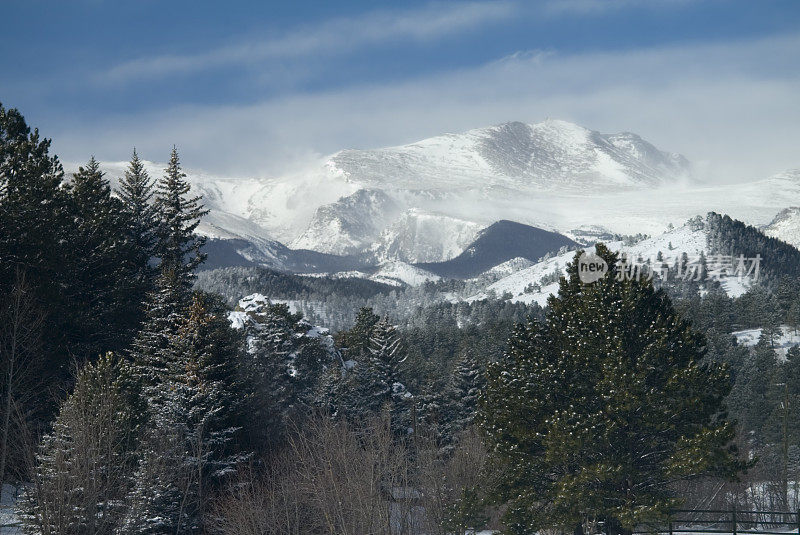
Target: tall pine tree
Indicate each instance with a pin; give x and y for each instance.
(104, 289)
(85, 465)
(178, 247)
(136, 190)
(594, 412)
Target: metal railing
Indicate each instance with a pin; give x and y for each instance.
(733, 521)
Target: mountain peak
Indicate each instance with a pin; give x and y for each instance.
(550, 156)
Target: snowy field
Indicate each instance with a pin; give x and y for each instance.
(788, 338)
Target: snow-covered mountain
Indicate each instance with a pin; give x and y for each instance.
(426, 201)
(786, 226)
(350, 225)
(417, 236)
(498, 243)
(548, 156)
(535, 283)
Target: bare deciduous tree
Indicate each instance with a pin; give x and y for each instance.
(20, 360)
(338, 478)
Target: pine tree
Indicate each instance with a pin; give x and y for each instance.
(183, 357)
(465, 386)
(165, 309)
(35, 229)
(178, 247)
(104, 288)
(162, 498)
(380, 388)
(356, 341)
(282, 371)
(195, 416)
(85, 465)
(179, 251)
(593, 412)
(136, 193)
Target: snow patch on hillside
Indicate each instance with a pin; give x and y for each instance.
(399, 272)
(787, 339)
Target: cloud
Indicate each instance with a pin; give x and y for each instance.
(331, 37)
(597, 7)
(729, 105)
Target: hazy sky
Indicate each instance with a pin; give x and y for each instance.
(259, 88)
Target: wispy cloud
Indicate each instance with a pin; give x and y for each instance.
(330, 37)
(732, 104)
(595, 7)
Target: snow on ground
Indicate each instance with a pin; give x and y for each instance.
(509, 266)
(788, 338)
(8, 519)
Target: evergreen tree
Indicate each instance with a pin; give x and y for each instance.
(178, 247)
(85, 465)
(165, 309)
(136, 193)
(466, 384)
(793, 369)
(356, 341)
(179, 251)
(379, 377)
(592, 413)
(35, 230)
(183, 356)
(104, 290)
(195, 416)
(204, 373)
(267, 369)
(163, 496)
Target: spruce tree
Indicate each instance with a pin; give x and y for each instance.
(195, 416)
(466, 384)
(85, 465)
(182, 358)
(179, 251)
(136, 193)
(104, 288)
(35, 230)
(380, 387)
(283, 367)
(356, 341)
(592, 413)
(178, 247)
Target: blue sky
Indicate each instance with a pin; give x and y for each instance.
(259, 88)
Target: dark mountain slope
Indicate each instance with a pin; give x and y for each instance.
(497, 243)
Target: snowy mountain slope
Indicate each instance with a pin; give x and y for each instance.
(499, 243)
(591, 234)
(400, 272)
(350, 225)
(391, 273)
(537, 282)
(552, 175)
(418, 236)
(508, 267)
(786, 226)
(551, 155)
